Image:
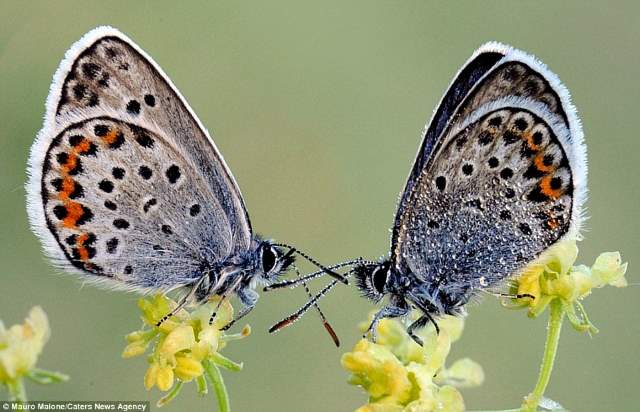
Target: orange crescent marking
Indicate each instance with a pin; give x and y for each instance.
(74, 209)
(552, 223)
(74, 213)
(539, 163)
(68, 185)
(111, 136)
(530, 143)
(83, 146)
(70, 164)
(545, 186)
(82, 251)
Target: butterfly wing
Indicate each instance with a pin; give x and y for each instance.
(124, 181)
(501, 177)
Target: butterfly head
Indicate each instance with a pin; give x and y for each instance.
(373, 279)
(273, 261)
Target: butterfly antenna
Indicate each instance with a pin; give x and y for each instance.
(325, 322)
(296, 315)
(300, 280)
(328, 271)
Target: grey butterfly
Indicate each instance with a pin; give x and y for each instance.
(499, 178)
(127, 188)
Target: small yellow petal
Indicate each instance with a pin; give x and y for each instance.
(134, 349)
(609, 270)
(165, 378)
(186, 368)
(151, 376)
(179, 339)
(449, 399)
(464, 373)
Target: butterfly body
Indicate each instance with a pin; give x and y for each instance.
(500, 177)
(127, 189)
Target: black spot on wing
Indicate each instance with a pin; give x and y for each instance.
(79, 91)
(145, 172)
(142, 137)
(173, 174)
(60, 212)
(133, 107)
(118, 173)
(149, 204)
(441, 183)
(90, 70)
(106, 186)
(120, 224)
(506, 173)
(525, 229)
(112, 245)
(149, 100)
(194, 210)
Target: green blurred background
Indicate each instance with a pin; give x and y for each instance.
(317, 108)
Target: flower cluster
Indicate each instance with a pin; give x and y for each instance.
(401, 376)
(20, 346)
(185, 347)
(553, 276)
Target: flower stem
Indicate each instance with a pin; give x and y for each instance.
(17, 392)
(225, 362)
(214, 375)
(45, 377)
(171, 395)
(556, 315)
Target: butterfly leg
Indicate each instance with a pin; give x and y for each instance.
(396, 309)
(231, 289)
(184, 301)
(420, 323)
(249, 298)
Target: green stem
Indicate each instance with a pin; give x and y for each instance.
(17, 392)
(171, 395)
(556, 315)
(45, 377)
(225, 362)
(201, 383)
(214, 375)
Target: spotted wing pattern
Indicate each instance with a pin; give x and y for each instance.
(502, 183)
(124, 181)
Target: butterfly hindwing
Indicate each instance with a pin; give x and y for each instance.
(125, 183)
(502, 183)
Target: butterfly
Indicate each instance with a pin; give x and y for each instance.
(127, 189)
(499, 178)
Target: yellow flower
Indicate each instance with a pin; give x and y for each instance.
(402, 376)
(20, 346)
(184, 346)
(553, 276)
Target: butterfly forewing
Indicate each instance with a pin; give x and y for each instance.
(122, 160)
(466, 78)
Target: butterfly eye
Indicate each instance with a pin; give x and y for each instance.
(379, 277)
(269, 257)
